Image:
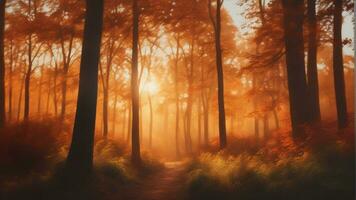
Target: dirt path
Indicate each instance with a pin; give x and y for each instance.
(164, 185)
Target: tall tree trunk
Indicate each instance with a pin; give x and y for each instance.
(129, 122)
(55, 92)
(66, 63)
(39, 100)
(256, 120)
(9, 117)
(48, 95)
(312, 72)
(105, 112)
(64, 94)
(219, 66)
(135, 154)
(205, 101)
(28, 79)
(20, 97)
(2, 64)
(276, 120)
(124, 124)
(265, 126)
(188, 112)
(114, 115)
(199, 121)
(151, 120)
(293, 36)
(338, 66)
(177, 98)
(80, 156)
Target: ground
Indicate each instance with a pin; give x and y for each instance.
(164, 185)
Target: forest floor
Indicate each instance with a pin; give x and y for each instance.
(163, 185)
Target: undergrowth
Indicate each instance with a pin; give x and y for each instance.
(320, 166)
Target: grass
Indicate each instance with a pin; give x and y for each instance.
(32, 162)
(320, 167)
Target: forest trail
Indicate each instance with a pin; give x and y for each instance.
(164, 185)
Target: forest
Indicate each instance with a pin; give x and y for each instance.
(177, 100)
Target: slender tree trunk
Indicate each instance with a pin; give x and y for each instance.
(312, 72)
(135, 154)
(177, 98)
(256, 120)
(124, 123)
(9, 117)
(275, 115)
(338, 66)
(114, 115)
(220, 74)
(64, 93)
(80, 156)
(2, 64)
(205, 119)
(151, 120)
(199, 121)
(265, 126)
(293, 28)
(129, 122)
(20, 98)
(140, 119)
(105, 112)
(48, 95)
(66, 64)
(55, 100)
(39, 100)
(28, 79)
(232, 124)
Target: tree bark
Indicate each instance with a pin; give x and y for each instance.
(114, 115)
(312, 71)
(20, 97)
(66, 64)
(9, 117)
(206, 105)
(135, 154)
(39, 100)
(177, 97)
(28, 79)
(129, 123)
(293, 35)
(105, 113)
(219, 65)
(151, 120)
(2, 64)
(80, 156)
(338, 66)
(265, 127)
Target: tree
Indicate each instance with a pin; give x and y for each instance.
(80, 156)
(312, 71)
(135, 154)
(293, 12)
(338, 66)
(2, 63)
(219, 65)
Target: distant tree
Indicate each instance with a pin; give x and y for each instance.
(2, 63)
(63, 29)
(293, 11)
(80, 156)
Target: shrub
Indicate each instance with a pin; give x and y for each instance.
(28, 146)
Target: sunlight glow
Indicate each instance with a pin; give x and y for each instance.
(151, 87)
